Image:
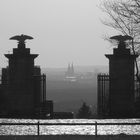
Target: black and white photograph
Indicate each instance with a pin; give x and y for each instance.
(69, 69)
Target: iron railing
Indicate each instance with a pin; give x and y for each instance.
(96, 124)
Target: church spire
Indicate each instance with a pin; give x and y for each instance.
(72, 69)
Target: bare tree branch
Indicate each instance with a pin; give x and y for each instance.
(125, 17)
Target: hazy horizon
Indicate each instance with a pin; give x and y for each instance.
(63, 30)
(66, 66)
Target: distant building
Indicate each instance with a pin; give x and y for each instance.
(70, 75)
(23, 86)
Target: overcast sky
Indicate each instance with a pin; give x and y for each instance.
(64, 31)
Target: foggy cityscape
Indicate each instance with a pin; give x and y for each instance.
(69, 69)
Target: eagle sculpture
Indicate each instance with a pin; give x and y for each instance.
(21, 38)
(121, 38)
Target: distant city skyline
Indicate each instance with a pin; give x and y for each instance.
(63, 30)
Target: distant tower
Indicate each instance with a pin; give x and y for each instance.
(121, 85)
(70, 75)
(70, 70)
(22, 97)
